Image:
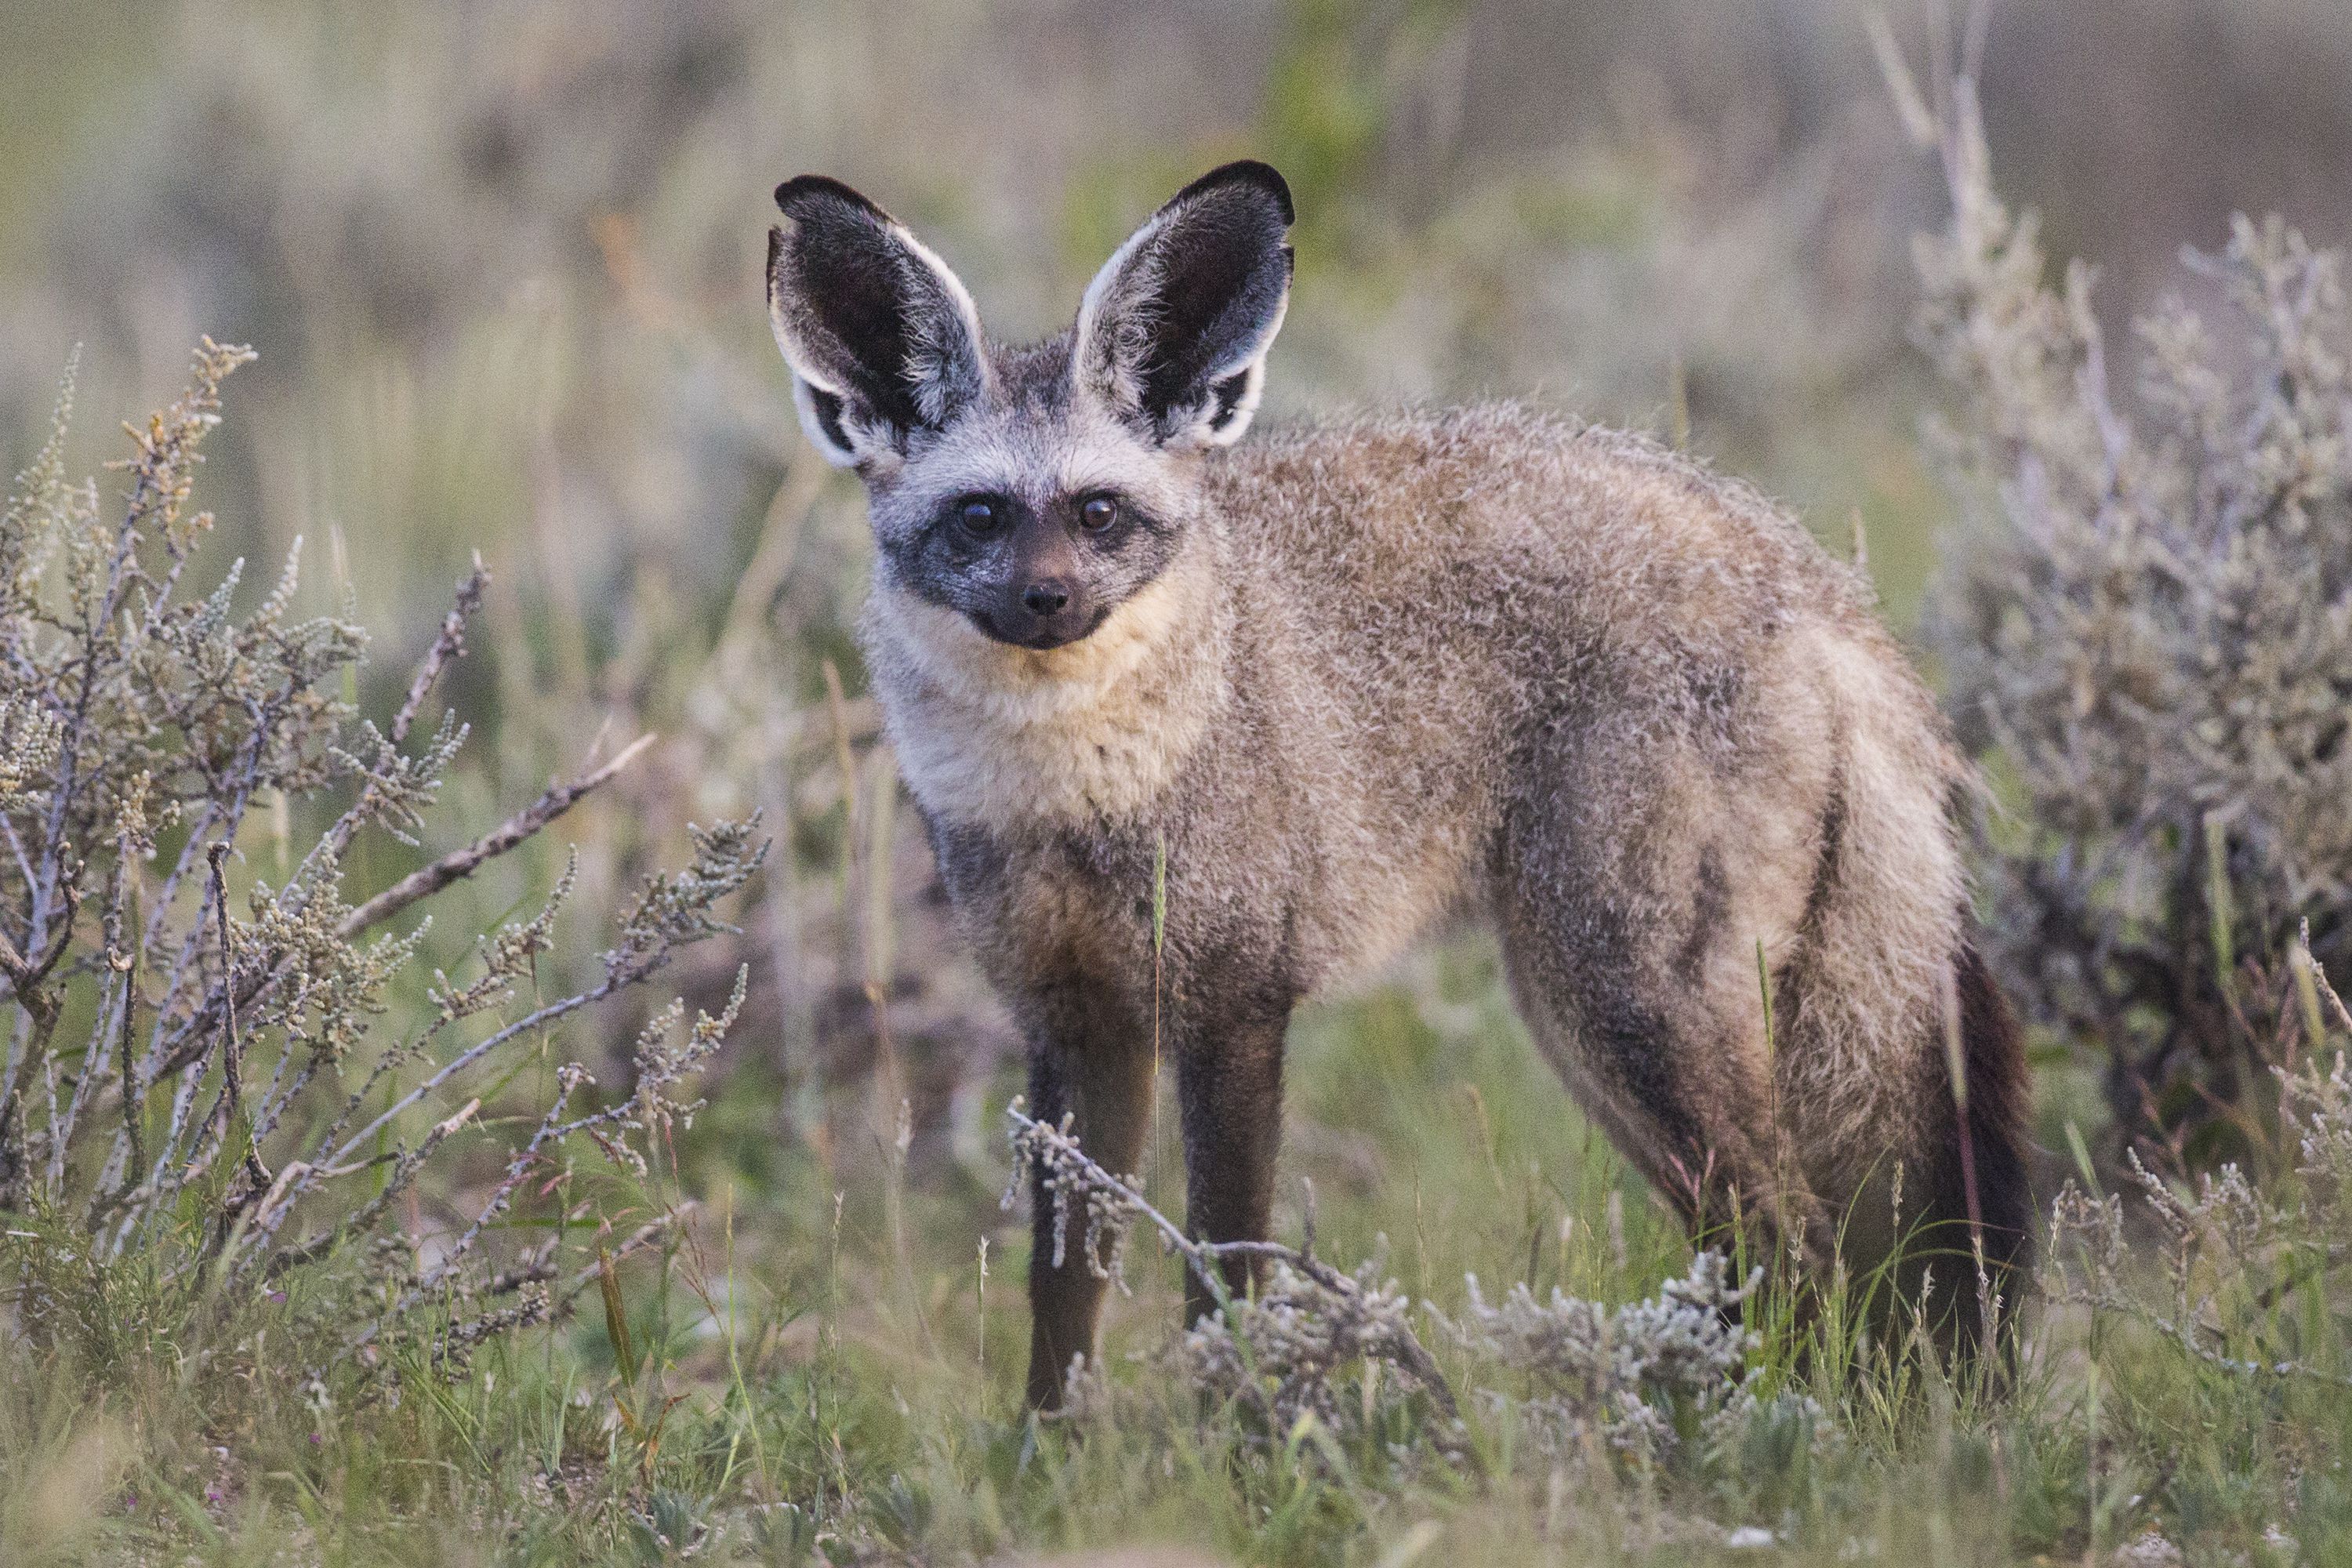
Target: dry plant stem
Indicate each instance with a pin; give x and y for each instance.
(451, 644)
(102, 652)
(641, 1110)
(92, 1080)
(427, 880)
(644, 1235)
(371, 799)
(299, 1176)
(160, 475)
(232, 1046)
(1202, 1257)
(539, 1018)
(2183, 1337)
(2232, 1248)
(332, 1160)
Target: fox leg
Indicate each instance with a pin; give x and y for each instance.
(1106, 1090)
(1683, 1089)
(1229, 1082)
(1704, 1134)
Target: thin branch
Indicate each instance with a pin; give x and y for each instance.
(462, 863)
(232, 1055)
(2101, 1300)
(642, 1237)
(467, 1058)
(300, 1176)
(1203, 1257)
(449, 645)
(187, 1042)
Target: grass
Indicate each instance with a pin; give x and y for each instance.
(796, 1378)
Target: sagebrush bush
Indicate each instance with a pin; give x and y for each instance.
(1642, 1377)
(203, 1110)
(2148, 625)
(2254, 1274)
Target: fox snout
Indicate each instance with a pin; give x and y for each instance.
(1043, 603)
(1048, 613)
(1027, 583)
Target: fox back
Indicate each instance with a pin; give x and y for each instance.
(1346, 680)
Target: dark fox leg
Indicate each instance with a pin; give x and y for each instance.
(1683, 1093)
(1229, 1081)
(1105, 1087)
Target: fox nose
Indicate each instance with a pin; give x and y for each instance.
(1050, 597)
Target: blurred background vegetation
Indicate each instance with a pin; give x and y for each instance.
(502, 264)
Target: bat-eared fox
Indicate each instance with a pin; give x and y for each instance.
(1348, 680)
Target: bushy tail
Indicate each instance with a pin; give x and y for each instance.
(1977, 1184)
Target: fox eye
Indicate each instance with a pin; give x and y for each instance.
(1098, 513)
(981, 517)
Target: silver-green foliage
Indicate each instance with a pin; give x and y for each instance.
(1634, 1376)
(2149, 622)
(2253, 1273)
(204, 1101)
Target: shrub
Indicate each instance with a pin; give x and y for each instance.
(1640, 1377)
(2254, 1275)
(196, 1110)
(2148, 627)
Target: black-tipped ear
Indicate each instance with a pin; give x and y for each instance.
(1174, 329)
(881, 337)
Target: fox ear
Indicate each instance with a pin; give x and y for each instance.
(1173, 333)
(882, 339)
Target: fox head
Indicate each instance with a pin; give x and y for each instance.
(1030, 491)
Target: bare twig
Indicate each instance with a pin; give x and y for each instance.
(449, 645)
(644, 1235)
(537, 1019)
(1070, 1162)
(458, 864)
(2099, 1300)
(187, 1042)
(233, 1052)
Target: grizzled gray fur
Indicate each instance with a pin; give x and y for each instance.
(1359, 677)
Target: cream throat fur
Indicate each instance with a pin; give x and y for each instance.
(992, 734)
